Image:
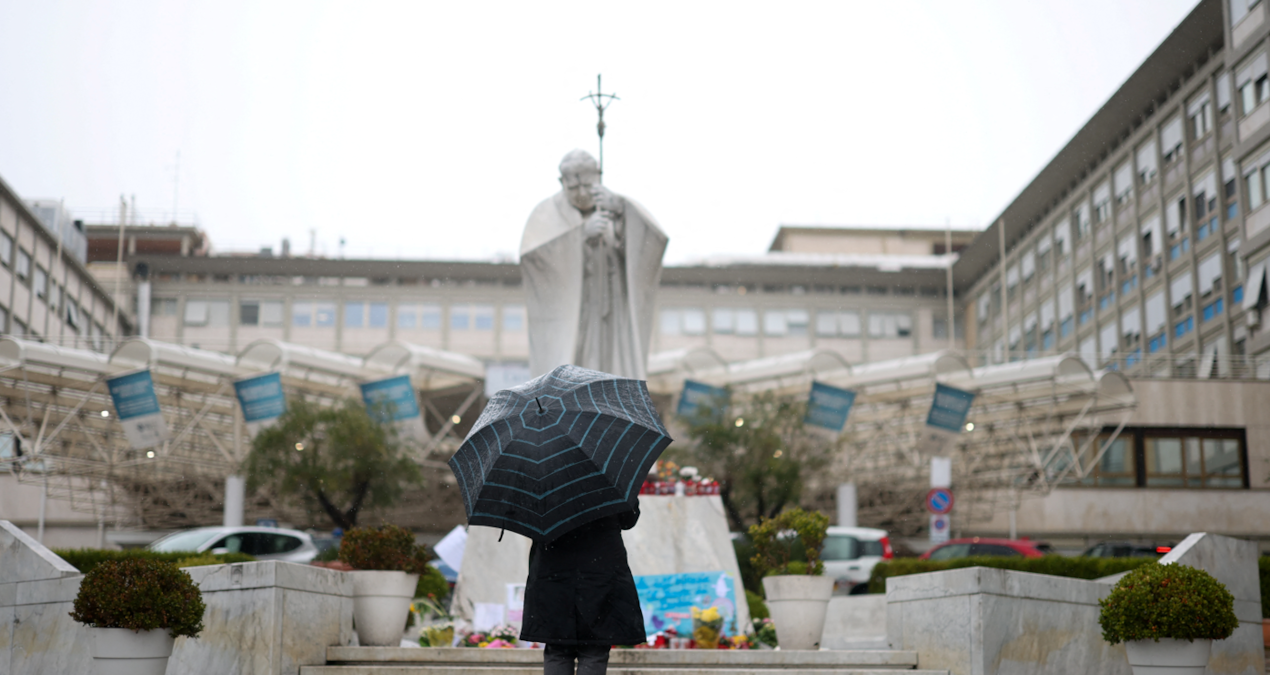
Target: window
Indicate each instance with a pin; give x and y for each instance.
(23, 267)
(302, 314)
(890, 325)
(690, 321)
(1183, 327)
(797, 320)
(1171, 140)
(775, 323)
(72, 315)
(513, 318)
(460, 317)
(163, 307)
(6, 249)
(420, 316)
(260, 313)
(1116, 466)
(354, 314)
(1122, 181)
(1193, 461)
(723, 321)
(950, 552)
(1080, 217)
(1251, 83)
(1146, 162)
(378, 315)
(1102, 202)
(1212, 310)
(324, 314)
(1200, 112)
(838, 324)
(40, 283)
(207, 313)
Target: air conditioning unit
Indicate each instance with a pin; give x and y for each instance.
(1253, 317)
(1157, 262)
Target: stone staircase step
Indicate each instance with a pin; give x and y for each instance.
(613, 670)
(432, 661)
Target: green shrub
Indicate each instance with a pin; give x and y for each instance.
(328, 555)
(1054, 565)
(1263, 563)
(432, 584)
(140, 594)
(85, 559)
(758, 608)
(385, 548)
(774, 554)
(1167, 601)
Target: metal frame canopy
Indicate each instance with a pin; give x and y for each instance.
(58, 426)
(1035, 423)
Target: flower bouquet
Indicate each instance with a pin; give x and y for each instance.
(474, 640)
(765, 632)
(707, 627)
(437, 635)
(505, 635)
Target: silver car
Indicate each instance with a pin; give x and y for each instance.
(264, 543)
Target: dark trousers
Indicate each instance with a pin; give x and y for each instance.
(559, 659)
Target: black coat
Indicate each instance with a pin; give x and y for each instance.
(580, 590)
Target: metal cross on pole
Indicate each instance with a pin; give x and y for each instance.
(601, 101)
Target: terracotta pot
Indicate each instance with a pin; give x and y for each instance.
(1168, 656)
(798, 603)
(381, 601)
(119, 651)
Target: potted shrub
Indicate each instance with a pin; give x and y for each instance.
(1168, 617)
(797, 592)
(386, 564)
(135, 609)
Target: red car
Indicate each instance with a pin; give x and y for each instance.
(961, 548)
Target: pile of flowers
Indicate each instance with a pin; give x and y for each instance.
(668, 478)
(499, 637)
(765, 632)
(707, 627)
(437, 635)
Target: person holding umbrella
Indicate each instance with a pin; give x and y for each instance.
(560, 460)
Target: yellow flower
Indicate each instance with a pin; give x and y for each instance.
(711, 614)
(482, 645)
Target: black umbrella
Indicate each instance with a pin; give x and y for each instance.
(559, 451)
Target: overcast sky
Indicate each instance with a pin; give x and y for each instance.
(430, 130)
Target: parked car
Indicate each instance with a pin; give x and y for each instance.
(264, 543)
(961, 548)
(850, 553)
(1125, 549)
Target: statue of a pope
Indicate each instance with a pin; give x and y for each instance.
(591, 263)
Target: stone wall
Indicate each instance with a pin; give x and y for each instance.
(263, 618)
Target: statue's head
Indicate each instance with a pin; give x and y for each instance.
(579, 172)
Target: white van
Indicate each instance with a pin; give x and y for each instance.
(850, 554)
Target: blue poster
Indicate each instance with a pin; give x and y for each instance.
(948, 410)
(699, 400)
(137, 407)
(829, 406)
(667, 600)
(261, 397)
(396, 393)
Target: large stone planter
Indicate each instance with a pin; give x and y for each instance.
(1168, 656)
(797, 603)
(120, 651)
(381, 601)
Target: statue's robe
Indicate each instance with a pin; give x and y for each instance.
(617, 279)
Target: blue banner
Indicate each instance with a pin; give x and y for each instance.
(261, 397)
(948, 410)
(667, 600)
(396, 393)
(828, 407)
(137, 407)
(700, 400)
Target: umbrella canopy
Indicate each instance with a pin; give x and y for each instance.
(559, 451)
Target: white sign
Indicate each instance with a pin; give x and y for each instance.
(940, 526)
(450, 548)
(515, 603)
(941, 472)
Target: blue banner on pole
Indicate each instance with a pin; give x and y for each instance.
(396, 395)
(667, 600)
(698, 401)
(137, 407)
(948, 410)
(828, 406)
(261, 397)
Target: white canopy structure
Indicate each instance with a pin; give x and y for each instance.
(1034, 424)
(55, 405)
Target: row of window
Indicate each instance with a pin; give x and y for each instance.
(1212, 458)
(44, 288)
(357, 314)
(785, 322)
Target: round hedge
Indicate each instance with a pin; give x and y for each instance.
(772, 556)
(140, 594)
(386, 548)
(1167, 601)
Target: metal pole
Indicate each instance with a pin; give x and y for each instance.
(114, 313)
(952, 320)
(44, 498)
(1005, 304)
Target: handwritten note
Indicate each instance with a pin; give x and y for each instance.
(667, 600)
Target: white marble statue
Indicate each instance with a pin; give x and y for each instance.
(591, 262)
